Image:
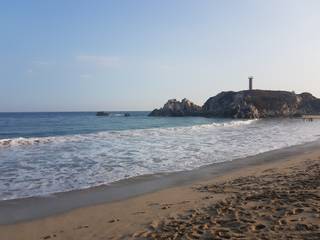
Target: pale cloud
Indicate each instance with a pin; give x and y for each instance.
(104, 61)
(164, 67)
(85, 76)
(36, 65)
(41, 63)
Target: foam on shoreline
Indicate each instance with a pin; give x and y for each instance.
(19, 210)
(48, 165)
(23, 141)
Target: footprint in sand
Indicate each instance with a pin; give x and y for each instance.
(153, 204)
(138, 213)
(269, 170)
(183, 202)
(114, 220)
(49, 236)
(165, 207)
(82, 227)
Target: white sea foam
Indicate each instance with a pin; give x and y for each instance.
(78, 137)
(40, 166)
(23, 141)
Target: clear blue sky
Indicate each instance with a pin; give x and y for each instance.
(134, 55)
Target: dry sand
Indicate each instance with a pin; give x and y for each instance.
(278, 200)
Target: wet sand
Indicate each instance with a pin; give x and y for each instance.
(272, 195)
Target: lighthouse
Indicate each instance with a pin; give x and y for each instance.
(250, 82)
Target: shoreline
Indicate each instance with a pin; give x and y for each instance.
(275, 179)
(36, 208)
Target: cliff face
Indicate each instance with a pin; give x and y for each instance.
(176, 108)
(259, 104)
(246, 104)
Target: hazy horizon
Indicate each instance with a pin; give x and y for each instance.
(119, 110)
(135, 55)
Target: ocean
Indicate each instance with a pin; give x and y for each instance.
(46, 153)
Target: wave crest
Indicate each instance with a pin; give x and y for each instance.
(22, 141)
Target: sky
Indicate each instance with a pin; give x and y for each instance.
(135, 55)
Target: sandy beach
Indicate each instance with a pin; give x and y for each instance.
(168, 120)
(274, 195)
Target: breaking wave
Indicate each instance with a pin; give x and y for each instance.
(21, 141)
(41, 166)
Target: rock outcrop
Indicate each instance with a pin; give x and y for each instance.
(246, 104)
(174, 108)
(261, 104)
(102, 114)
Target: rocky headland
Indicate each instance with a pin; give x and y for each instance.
(174, 108)
(247, 104)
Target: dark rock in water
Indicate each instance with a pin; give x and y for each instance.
(174, 108)
(101, 114)
(246, 104)
(127, 114)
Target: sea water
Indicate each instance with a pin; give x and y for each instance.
(45, 153)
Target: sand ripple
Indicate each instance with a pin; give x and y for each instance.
(273, 205)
